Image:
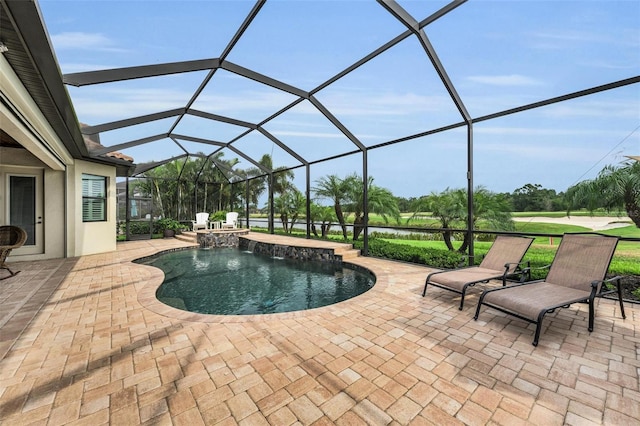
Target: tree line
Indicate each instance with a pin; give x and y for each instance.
(180, 189)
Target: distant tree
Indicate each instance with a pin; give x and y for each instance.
(447, 207)
(333, 188)
(613, 188)
(258, 186)
(289, 205)
(321, 216)
(450, 208)
(380, 201)
(535, 198)
(490, 207)
(405, 204)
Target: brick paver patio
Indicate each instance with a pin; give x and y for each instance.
(83, 341)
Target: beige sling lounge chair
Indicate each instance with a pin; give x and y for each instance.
(11, 237)
(575, 275)
(502, 261)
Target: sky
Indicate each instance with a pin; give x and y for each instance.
(498, 55)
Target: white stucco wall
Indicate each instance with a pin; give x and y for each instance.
(64, 233)
(51, 197)
(90, 237)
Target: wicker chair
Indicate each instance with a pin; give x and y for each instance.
(11, 237)
(502, 261)
(576, 275)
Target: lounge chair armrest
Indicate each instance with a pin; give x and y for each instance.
(522, 269)
(519, 265)
(597, 284)
(524, 262)
(539, 268)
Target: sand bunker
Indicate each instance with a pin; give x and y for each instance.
(595, 223)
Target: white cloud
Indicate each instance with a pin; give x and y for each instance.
(388, 104)
(594, 108)
(560, 38)
(112, 104)
(84, 41)
(68, 68)
(540, 152)
(529, 131)
(249, 100)
(505, 80)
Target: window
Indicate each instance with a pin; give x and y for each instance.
(94, 198)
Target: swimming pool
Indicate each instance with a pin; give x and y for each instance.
(227, 281)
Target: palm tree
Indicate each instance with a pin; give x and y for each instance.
(282, 180)
(450, 208)
(380, 201)
(492, 208)
(334, 188)
(447, 208)
(223, 172)
(289, 205)
(167, 187)
(324, 215)
(613, 188)
(257, 186)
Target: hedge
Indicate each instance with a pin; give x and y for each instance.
(441, 259)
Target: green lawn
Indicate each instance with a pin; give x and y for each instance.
(626, 261)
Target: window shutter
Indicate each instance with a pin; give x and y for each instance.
(94, 198)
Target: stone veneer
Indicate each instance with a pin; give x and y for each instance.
(217, 238)
(290, 252)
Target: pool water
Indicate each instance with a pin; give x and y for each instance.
(227, 281)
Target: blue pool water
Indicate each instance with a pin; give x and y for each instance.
(227, 281)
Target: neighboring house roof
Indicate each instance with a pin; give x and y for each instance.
(634, 157)
(92, 142)
(30, 54)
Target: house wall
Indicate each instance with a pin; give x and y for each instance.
(90, 237)
(20, 161)
(63, 232)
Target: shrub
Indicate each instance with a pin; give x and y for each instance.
(138, 228)
(435, 258)
(219, 216)
(168, 224)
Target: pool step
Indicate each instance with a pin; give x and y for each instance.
(351, 254)
(347, 253)
(187, 236)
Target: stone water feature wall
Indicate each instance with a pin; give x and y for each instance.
(211, 239)
(289, 252)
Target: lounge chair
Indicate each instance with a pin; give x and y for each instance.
(231, 221)
(11, 237)
(502, 261)
(576, 275)
(201, 222)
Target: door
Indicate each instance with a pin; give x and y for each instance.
(25, 210)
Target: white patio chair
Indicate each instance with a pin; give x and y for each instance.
(231, 221)
(201, 222)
